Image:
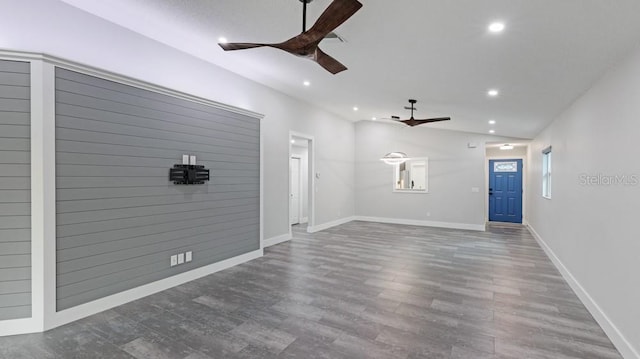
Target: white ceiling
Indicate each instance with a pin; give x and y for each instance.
(436, 51)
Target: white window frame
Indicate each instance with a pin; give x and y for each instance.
(546, 173)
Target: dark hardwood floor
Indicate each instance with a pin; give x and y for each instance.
(359, 290)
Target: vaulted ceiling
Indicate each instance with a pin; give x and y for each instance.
(436, 51)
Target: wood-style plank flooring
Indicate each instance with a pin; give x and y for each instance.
(359, 290)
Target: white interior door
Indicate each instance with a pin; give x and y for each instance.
(294, 195)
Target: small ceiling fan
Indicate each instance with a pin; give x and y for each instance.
(412, 121)
(306, 44)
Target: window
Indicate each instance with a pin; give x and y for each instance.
(412, 176)
(546, 172)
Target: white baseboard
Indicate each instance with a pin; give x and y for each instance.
(327, 225)
(276, 240)
(413, 222)
(19, 326)
(102, 304)
(617, 338)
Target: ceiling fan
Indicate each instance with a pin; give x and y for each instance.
(306, 44)
(412, 121)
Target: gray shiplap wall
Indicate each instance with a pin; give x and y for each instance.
(119, 219)
(15, 190)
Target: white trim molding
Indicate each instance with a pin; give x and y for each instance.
(415, 222)
(126, 80)
(102, 304)
(408, 222)
(327, 225)
(20, 326)
(621, 343)
(277, 240)
(311, 164)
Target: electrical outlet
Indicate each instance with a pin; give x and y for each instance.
(180, 258)
(189, 256)
(174, 260)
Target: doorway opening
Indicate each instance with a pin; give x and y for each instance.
(505, 190)
(506, 183)
(301, 182)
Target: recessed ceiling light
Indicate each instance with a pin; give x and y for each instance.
(293, 141)
(222, 40)
(307, 83)
(373, 118)
(493, 92)
(506, 146)
(492, 131)
(355, 108)
(496, 27)
(492, 122)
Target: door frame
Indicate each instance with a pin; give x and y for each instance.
(524, 184)
(311, 163)
(299, 158)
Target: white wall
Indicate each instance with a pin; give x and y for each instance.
(593, 230)
(54, 28)
(516, 152)
(453, 170)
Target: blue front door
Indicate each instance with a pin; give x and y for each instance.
(505, 191)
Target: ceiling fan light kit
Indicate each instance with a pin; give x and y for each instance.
(395, 158)
(306, 44)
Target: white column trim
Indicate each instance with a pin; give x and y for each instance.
(49, 200)
(38, 184)
(262, 241)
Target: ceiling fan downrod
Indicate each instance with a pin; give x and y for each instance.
(304, 14)
(412, 102)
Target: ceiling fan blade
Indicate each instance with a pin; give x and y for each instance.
(306, 44)
(437, 119)
(327, 62)
(332, 17)
(241, 46)
(413, 122)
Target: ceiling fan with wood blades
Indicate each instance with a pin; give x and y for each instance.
(306, 44)
(412, 121)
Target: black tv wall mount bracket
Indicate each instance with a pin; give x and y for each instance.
(188, 173)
